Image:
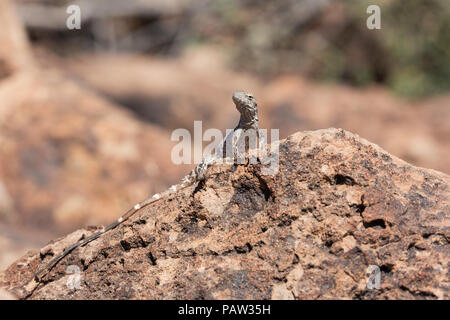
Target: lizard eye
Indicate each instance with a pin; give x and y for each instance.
(250, 96)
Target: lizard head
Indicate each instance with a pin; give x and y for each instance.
(247, 106)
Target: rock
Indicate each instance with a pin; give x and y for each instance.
(75, 158)
(5, 295)
(339, 208)
(15, 241)
(69, 156)
(171, 93)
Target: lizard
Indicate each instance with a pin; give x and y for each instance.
(247, 106)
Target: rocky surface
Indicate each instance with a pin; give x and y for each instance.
(173, 93)
(16, 240)
(338, 205)
(415, 131)
(56, 139)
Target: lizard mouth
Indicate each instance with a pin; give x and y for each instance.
(247, 107)
(243, 100)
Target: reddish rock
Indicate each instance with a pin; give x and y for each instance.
(416, 131)
(197, 86)
(71, 158)
(338, 206)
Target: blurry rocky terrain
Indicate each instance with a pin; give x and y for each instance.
(86, 116)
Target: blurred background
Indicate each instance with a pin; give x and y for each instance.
(86, 115)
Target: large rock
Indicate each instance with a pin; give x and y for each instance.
(417, 131)
(338, 208)
(71, 157)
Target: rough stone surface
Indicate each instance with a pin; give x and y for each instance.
(5, 295)
(338, 205)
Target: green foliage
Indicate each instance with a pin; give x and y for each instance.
(410, 54)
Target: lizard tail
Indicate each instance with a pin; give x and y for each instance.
(93, 236)
(188, 180)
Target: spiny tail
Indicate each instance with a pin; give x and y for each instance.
(188, 180)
